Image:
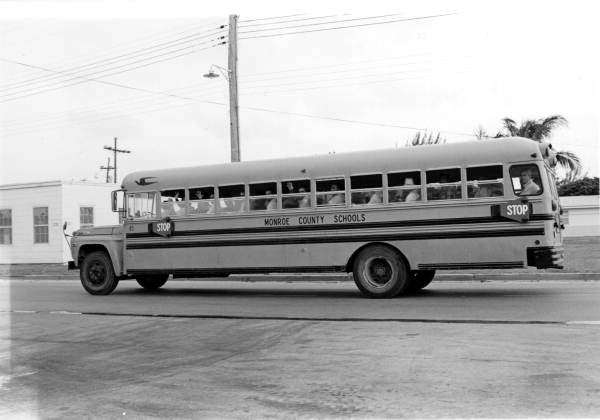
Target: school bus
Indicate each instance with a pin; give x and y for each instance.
(391, 217)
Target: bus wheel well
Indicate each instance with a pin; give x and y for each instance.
(87, 249)
(350, 263)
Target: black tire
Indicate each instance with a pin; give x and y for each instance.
(97, 274)
(420, 279)
(380, 272)
(152, 282)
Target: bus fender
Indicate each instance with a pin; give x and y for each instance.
(350, 263)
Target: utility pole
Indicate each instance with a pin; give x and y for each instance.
(108, 168)
(234, 123)
(115, 150)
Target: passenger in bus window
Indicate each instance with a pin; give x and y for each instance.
(335, 198)
(375, 198)
(305, 200)
(289, 202)
(528, 186)
(272, 202)
(413, 195)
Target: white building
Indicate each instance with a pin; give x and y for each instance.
(583, 214)
(32, 217)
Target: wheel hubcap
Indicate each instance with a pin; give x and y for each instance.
(379, 272)
(97, 273)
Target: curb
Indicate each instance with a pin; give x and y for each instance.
(337, 277)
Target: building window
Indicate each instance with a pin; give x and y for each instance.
(86, 217)
(40, 225)
(6, 227)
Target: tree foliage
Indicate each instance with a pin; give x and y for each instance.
(582, 186)
(538, 130)
(423, 138)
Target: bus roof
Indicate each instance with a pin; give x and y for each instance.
(512, 149)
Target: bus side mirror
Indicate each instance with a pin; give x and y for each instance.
(118, 201)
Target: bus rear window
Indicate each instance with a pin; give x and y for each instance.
(526, 180)
(443, 184)
(404, 187)
(366, 189)
(263, 196)
(202, 200)
(295, 194)
(485, 181)
(232, 198)
(172, 202)
(331, 192)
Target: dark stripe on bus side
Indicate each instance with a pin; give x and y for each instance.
(180, 272)
(340, 239)
(467, 266)
(369, 225)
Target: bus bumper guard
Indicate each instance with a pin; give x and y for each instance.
(545, 257)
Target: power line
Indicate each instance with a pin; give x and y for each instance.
(289, 21)
(270, 18)
(65, 73)
(36, 123)
(134, 43)
(86, 79)
(321, 23)
(350, 63)
(350, 26)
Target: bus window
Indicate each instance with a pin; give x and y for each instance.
(443, 184)
(295, 194)
(526, 179)
(172, 202)
(141, 205)
(331, 192)
(485, 181)
(366, 189)
(263, 196)
(404, 187)
(232, 198)
(202, 200)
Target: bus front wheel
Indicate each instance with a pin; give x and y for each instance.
(380, 272)
(97, 274)
(420, 279)
(152, 282)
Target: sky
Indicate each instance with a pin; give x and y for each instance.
(314, 78)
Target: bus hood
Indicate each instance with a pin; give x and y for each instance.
(99, 230)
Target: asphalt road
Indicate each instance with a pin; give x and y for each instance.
(304, 350)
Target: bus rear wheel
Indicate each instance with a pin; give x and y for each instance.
(380, 272)
(420, 279)
(97, 274)
(152, 282)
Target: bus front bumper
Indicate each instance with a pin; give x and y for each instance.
(545, 257)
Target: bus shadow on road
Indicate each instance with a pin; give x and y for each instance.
(339, 291)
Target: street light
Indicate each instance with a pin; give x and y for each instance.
(212, 75)
(234, 125)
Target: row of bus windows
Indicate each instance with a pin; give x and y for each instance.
(363, 190)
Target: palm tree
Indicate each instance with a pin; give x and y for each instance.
(423, 138)
(538, 130)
